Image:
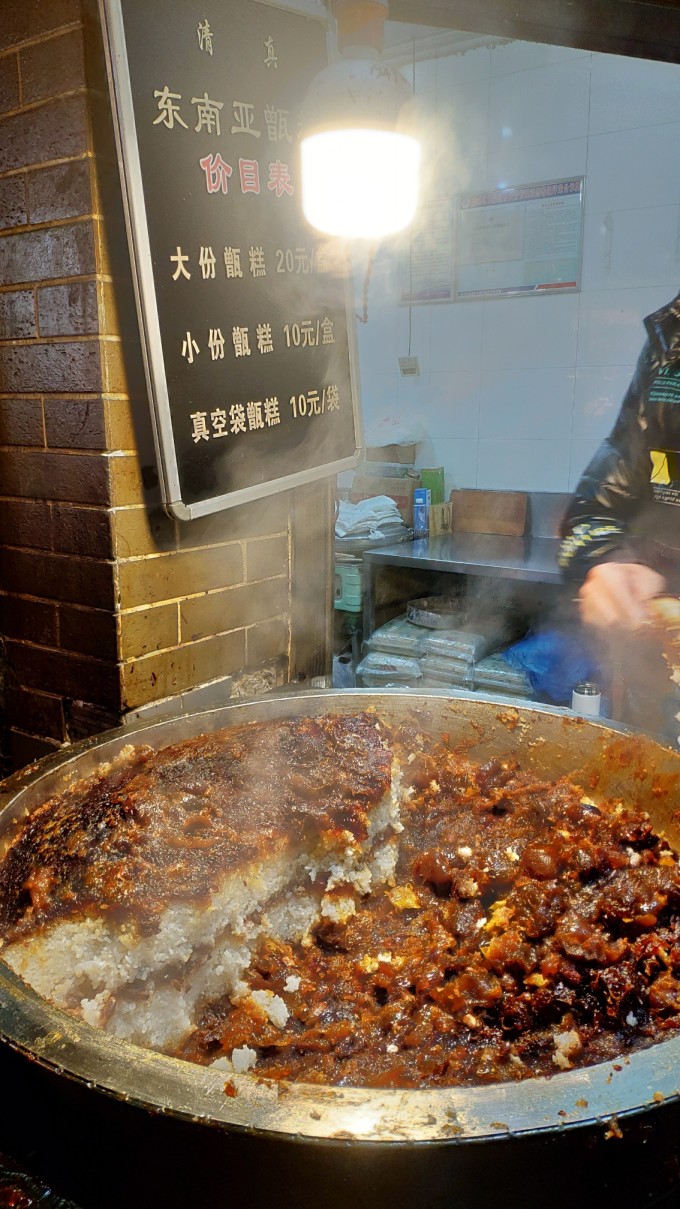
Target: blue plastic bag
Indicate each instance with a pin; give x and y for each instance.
(554, 661)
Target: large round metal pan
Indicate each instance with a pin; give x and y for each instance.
(113, 1124)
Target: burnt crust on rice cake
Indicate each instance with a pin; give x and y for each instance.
(166, 826)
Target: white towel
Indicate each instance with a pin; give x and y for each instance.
(367, 518)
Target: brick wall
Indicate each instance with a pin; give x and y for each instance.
(107, 605)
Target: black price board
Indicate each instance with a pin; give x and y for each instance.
(243, 306)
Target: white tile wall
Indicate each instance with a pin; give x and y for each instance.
(511, 464)
(413, 397)
(624, 248)
(521, 332)
(379, 393)
(545, 105)
(457, 455)
(582, 450)
(598, 393)
(524, 56)
(518, 393)
(512, 165)
(611, 323)
(527, 403)
(382, 340)
(425, 78)
(462, 149)
(453, 403)
(621, 98)
(475, 64)
(632, 168)
(458, 344)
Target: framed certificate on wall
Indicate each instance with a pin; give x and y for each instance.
(522, 240)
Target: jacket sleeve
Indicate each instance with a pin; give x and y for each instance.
(613, 489)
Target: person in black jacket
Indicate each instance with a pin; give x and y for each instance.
(621, 533)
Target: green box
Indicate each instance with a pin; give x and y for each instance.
(434, 479)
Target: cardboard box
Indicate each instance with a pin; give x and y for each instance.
(440, 519)
(385, 470)
(406, 454)
(400, 490)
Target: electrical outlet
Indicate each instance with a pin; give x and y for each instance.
(409, 367)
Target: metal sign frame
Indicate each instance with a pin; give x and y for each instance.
(545, 190)
(145, 292)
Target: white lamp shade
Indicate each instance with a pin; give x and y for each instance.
(360, 183)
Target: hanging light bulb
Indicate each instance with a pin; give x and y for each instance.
(360, 162)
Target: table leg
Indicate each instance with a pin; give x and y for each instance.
(370, 571)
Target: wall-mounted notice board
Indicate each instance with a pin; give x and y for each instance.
(243, 307)
(520, 240)
(426, 266)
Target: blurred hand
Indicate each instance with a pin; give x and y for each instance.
(614, 594)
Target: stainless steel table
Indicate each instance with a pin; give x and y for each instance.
(529, 559)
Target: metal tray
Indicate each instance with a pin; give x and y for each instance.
(552, 741)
